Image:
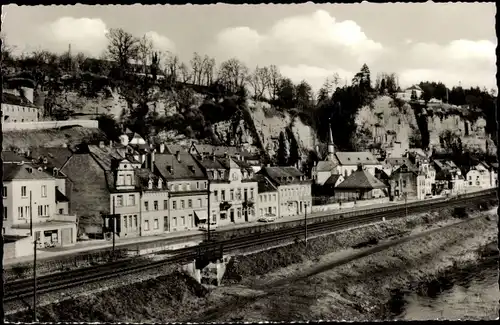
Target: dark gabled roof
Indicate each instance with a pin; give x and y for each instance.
(361, 179)
(61, 197)
(12, 157)
(109, 157)
(354, 158)
(143, 175)
(23, 171)
(173, 148)
(179, 170)
(264, 185)
(404, 169)
(398, 161)
(332, 180)
(11, 99)
(282, 175)
(326, 166)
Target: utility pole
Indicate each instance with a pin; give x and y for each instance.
(305, 224)
(208, 216)
(406, 204)
(34, 257)
(114, 227)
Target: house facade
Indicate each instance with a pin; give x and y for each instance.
(407, 182)
(268, 198)
(360, 185)
(31, 193)
(187, 185)
(478, 177)
(17, 103)
(232, 187)
(294, 190)
(349, 161)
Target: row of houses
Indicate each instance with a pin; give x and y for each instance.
(348, 176)
(147, 190)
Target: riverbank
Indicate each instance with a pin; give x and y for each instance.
(352, 291)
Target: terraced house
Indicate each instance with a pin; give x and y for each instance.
(187, 185)
(268, 202)
(232, 189)
(293, 188)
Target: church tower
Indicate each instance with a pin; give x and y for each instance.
(331, 146)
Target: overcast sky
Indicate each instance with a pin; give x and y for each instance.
(452, 42)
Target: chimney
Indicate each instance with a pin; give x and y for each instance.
(101, 144)
(178, 155)
(162, 147)
(55, 172)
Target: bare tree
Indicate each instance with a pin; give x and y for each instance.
(233, 74)
(259, 81)
(274, 81)
(122, 46)
(184, 73)
(197, 66)
(144, 52)
(208, 67)
(172, 65)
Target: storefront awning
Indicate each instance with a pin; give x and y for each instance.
(201, 215)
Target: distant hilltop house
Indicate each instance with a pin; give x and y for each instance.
(17, 101)
(95, 65)
(406, 94)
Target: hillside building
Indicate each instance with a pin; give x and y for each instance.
(268, 202)
(17, 103)
(407, 181)
(360, 185)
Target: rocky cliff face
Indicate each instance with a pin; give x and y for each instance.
(392, 124)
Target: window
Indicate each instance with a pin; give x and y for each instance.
(119, 200)
(146, 225)
(265, 198)
(174, 221)
(129, 179)
(20, 213)
(146, 205)
(44, 190)
(231, 195)
(223, 194)
(188, 187)
(261, 212)
(124, 221)
(121, 180)
(404, 183)
(165, 205)
(183, 220)
(155, 205)
(174, 205)
(182, 204)
(197, 185)
(130, 221)
(4, 192)
(23, 191)
(40, 210)
(238, 212)
(216, 196)
(4, 213)
(238, 194)
(135, 221)
(251, 193)
(131, 199)
(190, 203)
(155, 224)
(200, 203)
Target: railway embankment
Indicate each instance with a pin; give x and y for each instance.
(274, 284)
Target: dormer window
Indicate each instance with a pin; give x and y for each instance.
(150, 184)
(160, 183)
(348, 158)
(221, 174)
(169, 169)
(214, 174)
(191, 168)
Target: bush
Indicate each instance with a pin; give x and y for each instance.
(460, 213)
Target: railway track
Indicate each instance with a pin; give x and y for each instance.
(63, 280)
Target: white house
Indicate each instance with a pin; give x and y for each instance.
(348, 162)
(478, 177)
(406, 94)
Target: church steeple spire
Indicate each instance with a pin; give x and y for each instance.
(331, 146)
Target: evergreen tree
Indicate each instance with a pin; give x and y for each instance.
(382, 86)
(282, 154)
(294, 157)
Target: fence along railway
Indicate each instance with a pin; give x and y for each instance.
(63, 280)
